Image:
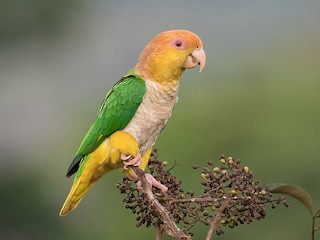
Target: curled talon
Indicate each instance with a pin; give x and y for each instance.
(130, 161)
(152, 182)
(125, 157)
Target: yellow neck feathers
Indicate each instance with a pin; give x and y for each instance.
(163, 67)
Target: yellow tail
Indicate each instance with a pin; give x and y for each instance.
(90, 173)
(91, 169)
(104, 159)
(75, 196)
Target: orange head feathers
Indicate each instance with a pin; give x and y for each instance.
(168, 54)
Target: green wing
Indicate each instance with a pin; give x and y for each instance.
(117, 110)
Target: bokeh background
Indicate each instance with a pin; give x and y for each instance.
(258, 99)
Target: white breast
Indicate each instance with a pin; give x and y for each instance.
(153, 114)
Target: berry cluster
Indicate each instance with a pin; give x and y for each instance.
(229, 194)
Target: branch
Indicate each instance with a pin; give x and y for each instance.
(168, 224)
(230, 193)
(203, 199)
(158, 231)
(217, 218)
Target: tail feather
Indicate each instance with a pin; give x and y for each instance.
(92, 166)
(77, 192)
(90, 169)
(89, 173)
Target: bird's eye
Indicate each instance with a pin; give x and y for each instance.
(179, 44)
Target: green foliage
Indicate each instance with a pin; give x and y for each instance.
(294, 191)
(301, 195)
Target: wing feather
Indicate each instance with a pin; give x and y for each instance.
(116, 111)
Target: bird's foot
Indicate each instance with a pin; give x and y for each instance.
(128, 160)
(152, 182)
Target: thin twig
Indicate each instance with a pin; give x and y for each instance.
(313, 230)
(216, 219)
(203, 199)
(174, 165)
(168, 225)
(158, 231)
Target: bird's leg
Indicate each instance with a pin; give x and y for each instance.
(152, 182)
(132, 174)
(128, 160)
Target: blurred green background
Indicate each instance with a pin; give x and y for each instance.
(258, 99)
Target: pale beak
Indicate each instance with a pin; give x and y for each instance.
(197, 57)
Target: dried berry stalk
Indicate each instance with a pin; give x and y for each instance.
(230, 197)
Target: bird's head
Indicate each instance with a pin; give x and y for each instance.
(167, 55)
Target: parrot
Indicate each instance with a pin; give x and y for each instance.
(133, 113)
